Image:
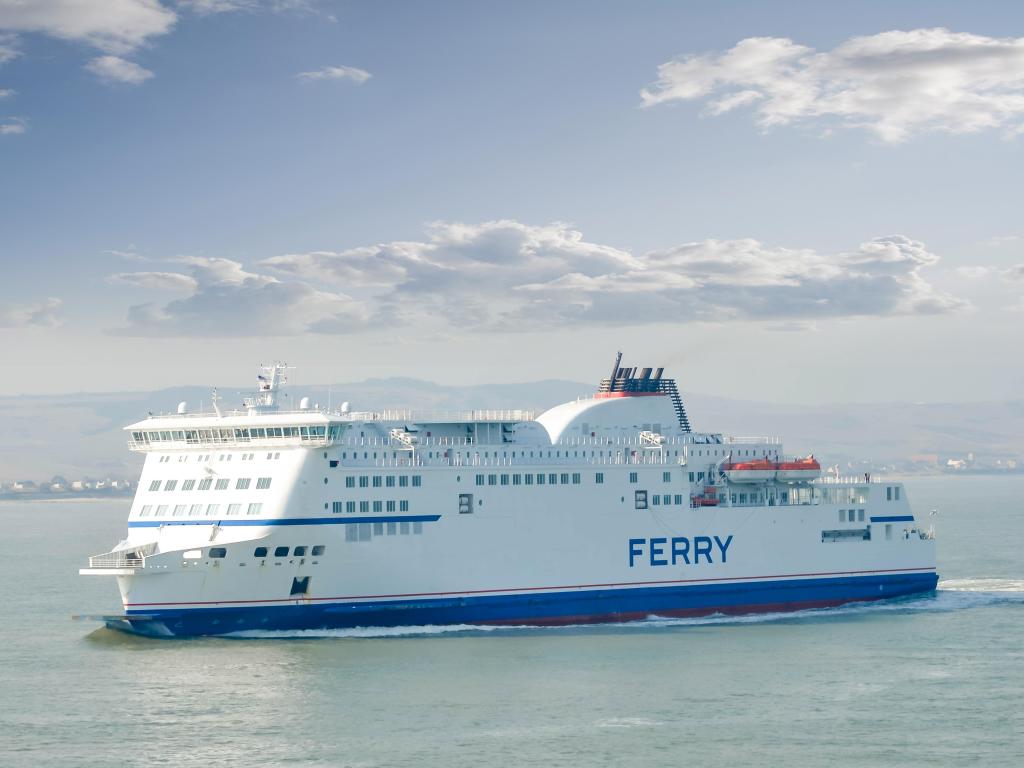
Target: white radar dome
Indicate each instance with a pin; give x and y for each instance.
(182, 406)
(304, 404)
(345, 407)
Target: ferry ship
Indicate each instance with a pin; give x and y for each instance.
(608, 508)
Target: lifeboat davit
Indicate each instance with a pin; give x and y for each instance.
(754, 471)
(798, 470)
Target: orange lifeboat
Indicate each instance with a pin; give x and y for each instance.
(798, 470)
(753, 471)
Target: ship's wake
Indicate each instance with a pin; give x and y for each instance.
(951, 595)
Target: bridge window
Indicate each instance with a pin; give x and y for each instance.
(528, 478)
(417, 481)
(860, 515)
(146, 509)
(378, 506)
(364, 481)
(403, 480)
(517, 479)
(179, 510)
(390, 506)
(211, 509)
(218, 552)
(255, 509)
(692, 477)
(852, 516)
(403, 506)
(242, 483)
(155, 485)
(377, 481)
(188, 485)
(222, 485)
(632, 477)
(389, 481)
(260, 552)
(679, 499)
(599, 478)
(318, 550)
(666, 477)
(504, 479)
(666, 499)
(350, 507)
(262, 483)
(364, 507)
(280, 551)
(205, 483)
(234, 509)
(656, 500)
(195, 510)
(170, 485)
(336, 507)
(161, 509)
(540, 479)
(300, 551)
(350, 482)
(576, 478)
(888, 493)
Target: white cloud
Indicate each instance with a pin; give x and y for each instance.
(505, 274)
(973, 273)
(8, 47)
(12, 125)
(171, 281)
(1016, 272)
(114, 26)
(356, 75)
(114, 69)
(24, 315)
(6, 93)
(227, 300)
(208, 7)
(893, 83)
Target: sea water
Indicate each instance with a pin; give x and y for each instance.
(936, 680)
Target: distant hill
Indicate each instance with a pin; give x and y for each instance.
(80, 434)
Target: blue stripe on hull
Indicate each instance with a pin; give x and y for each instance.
(539, 608)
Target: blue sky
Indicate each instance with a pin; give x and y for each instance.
(778, 201)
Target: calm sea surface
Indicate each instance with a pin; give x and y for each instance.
(930, 681)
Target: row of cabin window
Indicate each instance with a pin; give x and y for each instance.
(541, 479)
(849, 515)
(641, 498)
(241, 484)
(337, 507)
(197, 510)
(366, 531)
(300, 551)
(385, 481)
(222, 457)
(252, 433)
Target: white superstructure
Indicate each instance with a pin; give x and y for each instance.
(605, 508)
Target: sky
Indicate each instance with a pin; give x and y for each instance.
(794, 202)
